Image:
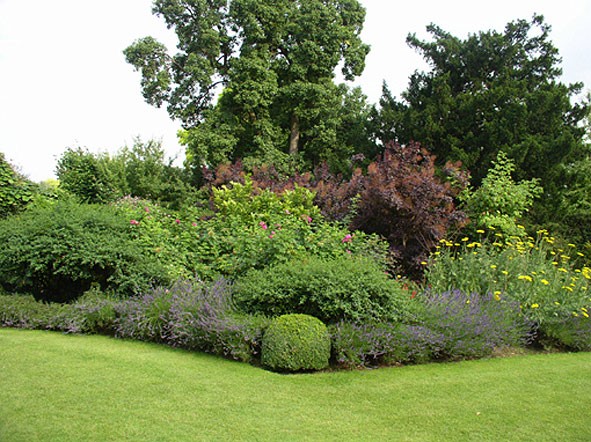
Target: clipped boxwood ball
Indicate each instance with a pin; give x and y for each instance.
(296, 342)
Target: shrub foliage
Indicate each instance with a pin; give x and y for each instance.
(56, 252)
(349, 287)
(296, 342)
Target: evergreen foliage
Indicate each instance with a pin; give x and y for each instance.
(294, 343)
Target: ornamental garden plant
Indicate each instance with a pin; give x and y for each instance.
(215, 278)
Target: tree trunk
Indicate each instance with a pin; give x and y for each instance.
(294, 136)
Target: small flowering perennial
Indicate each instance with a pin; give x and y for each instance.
(348, 238)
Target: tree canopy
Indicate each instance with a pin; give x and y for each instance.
(493, 91)
(255, 78)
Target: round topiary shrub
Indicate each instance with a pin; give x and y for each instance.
(296, 342)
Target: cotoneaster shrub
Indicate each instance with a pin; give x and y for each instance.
(295, 343)
(55, 251)
(342, 288)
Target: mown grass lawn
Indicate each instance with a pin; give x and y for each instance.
(56, 387)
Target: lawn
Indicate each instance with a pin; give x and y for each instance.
(56, 387)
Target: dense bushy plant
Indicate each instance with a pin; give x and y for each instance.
(296, 342)
(348, 287)
(145, 317)
(401, 197)
(452, 326)
(95, 312)
(139, 171)
(23, 311)
(500, 202)
(474, 325)
(251, 228)
(571, 333)
(56, 251)
(573, 213)
(404, 200)
(86, 175)
(543, 280)
(15, 190)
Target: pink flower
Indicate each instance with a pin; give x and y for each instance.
(263, 225)
(147, 209)
(272, 234)
(178, 221)
(348, 238)
(308, 219)
(194, 224)
(134, 222)
(349, 252)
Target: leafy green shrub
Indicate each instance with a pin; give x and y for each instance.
(343, 288)
(86, 175)
(140, 171)
(15, 190)
(249, 230)
(500, 202)
(296, 342)
(56, 251)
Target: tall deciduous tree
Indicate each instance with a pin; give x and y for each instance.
(494, 91)
(274, 62)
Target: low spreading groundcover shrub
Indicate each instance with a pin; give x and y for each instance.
(194, 316)
(451, 326)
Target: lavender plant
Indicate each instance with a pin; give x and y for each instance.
(372, 344)
(194, 316)
(474, 325)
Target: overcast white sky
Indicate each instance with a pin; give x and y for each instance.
(64, 81)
